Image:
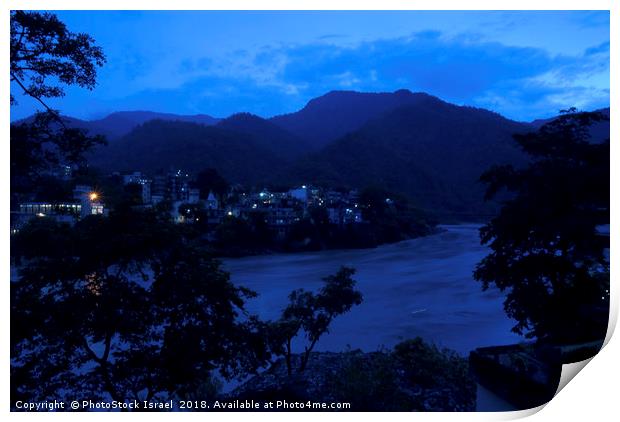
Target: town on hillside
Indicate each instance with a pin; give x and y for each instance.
(188, 204)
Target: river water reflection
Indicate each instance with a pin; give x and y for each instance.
(419, 287)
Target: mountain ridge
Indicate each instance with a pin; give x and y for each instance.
(414, 144)
(119, 123)
(336, 113)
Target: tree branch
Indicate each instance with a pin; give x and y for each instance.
(30, 94)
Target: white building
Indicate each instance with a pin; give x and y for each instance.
(212, 203)
(301, 194)
(89, 200)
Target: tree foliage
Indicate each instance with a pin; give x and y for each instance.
(45, 57)
(41, 147)
(209, 180)
(406, 379)
(43, 49)
(121, 307)
(238, 236)
(547, 253)
(312, 313)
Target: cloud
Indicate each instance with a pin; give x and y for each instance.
(522, 83)
(331, 36)
(602, 48)
(580, 81)
(465, 70)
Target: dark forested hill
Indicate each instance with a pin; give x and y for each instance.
(333, 115)
(432, 151)
(163, 145)
(266, 134)
(120, 123)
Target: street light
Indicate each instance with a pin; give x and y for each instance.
(93, 196)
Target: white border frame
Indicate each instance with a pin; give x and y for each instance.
(591, 395)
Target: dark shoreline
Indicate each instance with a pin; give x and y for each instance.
(287, 251)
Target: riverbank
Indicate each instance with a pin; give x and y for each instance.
(235, 239)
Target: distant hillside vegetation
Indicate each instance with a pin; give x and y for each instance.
(120, 123)
(163, 145)
(410, 143)
(282, 143)
(333, 115)
(432, 151)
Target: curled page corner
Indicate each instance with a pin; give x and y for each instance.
(519, 414)
(569, 371)
(613, 318)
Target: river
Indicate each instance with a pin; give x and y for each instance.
(420, 287)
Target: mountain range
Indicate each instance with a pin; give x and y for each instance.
(120, 123)
(411, 143)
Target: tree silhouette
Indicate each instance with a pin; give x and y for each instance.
(42, 48)
(122, 307)
(209, 180)
(45, 57)
(547, 253)
(314, 312)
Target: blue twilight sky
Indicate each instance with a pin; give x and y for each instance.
(523, 64)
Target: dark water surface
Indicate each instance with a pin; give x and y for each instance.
(420, 287)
